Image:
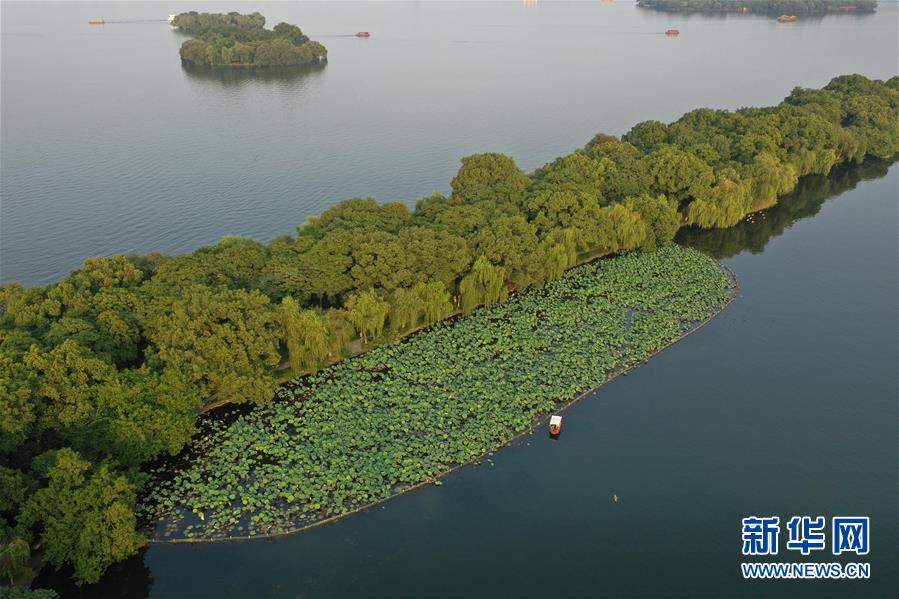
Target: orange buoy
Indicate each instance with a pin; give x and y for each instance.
(97, 21)
(555, 425)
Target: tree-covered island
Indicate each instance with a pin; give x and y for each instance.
(774, 7)
(106, 370)
(238, 40)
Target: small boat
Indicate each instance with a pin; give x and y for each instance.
(672, 32)
(555, 425)
(97, 22)
(363, 34)
(172, 18)
(786, 18)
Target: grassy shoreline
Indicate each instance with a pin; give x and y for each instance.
(682, 291)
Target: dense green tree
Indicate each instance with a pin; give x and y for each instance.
(235, 39)
(435, 255)
(315, 269)
(143, 414)
(577, 173)
(575, 211)
(68, 381)
(875, 124)
(660, 216)
(491, 178)
(226, 341)
(679, 175)
(18, 409)
(511, 242)
(647, 135)
(625, 172)
(85, 516)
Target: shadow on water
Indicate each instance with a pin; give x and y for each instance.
(240, 75)
(755, 231)
(130, 578)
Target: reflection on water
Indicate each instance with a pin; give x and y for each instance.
(238, 76)
(754, 232)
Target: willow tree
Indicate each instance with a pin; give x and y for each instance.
(367, 311)
(405, 309)
(724, 206)
(306, 335)
(485, 284)
(435, 301)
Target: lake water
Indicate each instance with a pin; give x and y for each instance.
(785, 404)
(110, 146)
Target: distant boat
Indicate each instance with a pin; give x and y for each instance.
(786, 18)
(672, 32)
(97, 22)
(363, 34)
(172, 18)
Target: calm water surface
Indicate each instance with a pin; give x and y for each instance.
(110, 146)
(785, 404)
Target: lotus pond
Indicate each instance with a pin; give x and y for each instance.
(403, 414)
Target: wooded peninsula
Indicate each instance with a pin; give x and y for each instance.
(108, 369)
(237, 40)
(774, 7)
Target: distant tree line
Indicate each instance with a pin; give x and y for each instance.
(778, 7)
(241, 40)
(108, 368)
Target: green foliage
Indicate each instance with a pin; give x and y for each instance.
(485, 285)
(19, 592)
(724, 205)
(226, 341)
(241, 40)
(14, 556)
(661, 218)
(86, 516)
(402, 414)
(368, 312)
(679, 174)
(492, 179)
(193, 22)
(145, 413)
(306, 333)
